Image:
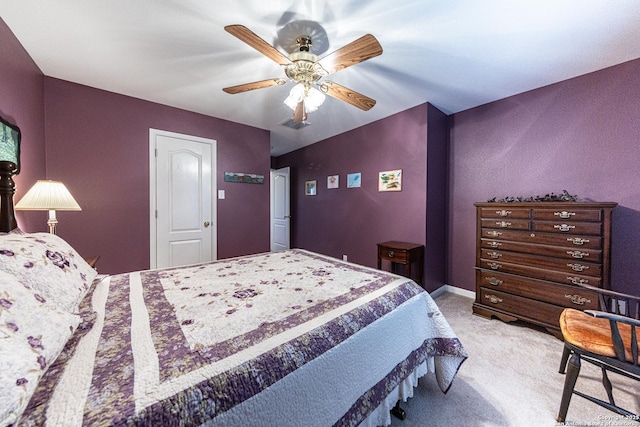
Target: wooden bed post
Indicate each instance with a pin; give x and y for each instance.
(7, 189)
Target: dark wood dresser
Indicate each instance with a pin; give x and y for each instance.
(530, 256)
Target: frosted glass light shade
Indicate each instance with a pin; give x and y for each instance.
(48, 195)
(312, 100)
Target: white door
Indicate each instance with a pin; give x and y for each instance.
(183, 223)
(280, 210)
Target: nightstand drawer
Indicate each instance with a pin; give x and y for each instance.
(394, 255)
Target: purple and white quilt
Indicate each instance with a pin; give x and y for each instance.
(276, 339)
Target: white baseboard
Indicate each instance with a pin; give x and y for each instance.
(454, 290)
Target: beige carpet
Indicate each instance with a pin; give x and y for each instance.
(510, 379)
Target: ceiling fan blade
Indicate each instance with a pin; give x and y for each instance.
(366, 47)
(300, 114)
(347, 95)
(255, 85)
(253, 40)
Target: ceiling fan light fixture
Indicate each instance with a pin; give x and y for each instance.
(312, 97)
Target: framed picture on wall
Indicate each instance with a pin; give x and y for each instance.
(333, 181)
(390, 180)
(10, 143)
(354, 180)
(310, 188)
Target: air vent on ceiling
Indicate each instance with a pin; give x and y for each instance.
(294, 125)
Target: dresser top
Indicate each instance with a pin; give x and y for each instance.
(552, 205)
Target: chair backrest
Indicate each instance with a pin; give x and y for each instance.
(622, 311)
(617, 302)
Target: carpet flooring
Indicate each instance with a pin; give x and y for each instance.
(510, 379)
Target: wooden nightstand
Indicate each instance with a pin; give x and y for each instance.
(402, 253)
(92, 260)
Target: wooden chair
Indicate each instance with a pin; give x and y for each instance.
(606, 338)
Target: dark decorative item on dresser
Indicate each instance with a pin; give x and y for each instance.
(531, 255)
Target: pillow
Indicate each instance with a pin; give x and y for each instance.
(32, 335)
(48, 265)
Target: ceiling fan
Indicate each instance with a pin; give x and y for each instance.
(307, 70)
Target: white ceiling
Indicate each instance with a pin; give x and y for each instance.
(455, 54)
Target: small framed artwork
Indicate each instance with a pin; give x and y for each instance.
(354, 180)
(310, 188)
(247, 178)
(10, 143)
(333, 181)
(390, 180)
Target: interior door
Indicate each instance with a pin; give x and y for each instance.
(183, 225)
(280, 210)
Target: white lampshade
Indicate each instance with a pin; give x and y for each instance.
(313, 98)
(48, 195)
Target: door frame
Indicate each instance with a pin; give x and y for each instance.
(153, 133)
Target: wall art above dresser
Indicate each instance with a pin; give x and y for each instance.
(531, 255)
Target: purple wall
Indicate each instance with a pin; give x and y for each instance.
(350, 221)
(21, 103)
(582, 135)
(98, 145)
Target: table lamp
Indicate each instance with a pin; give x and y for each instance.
(52, 196)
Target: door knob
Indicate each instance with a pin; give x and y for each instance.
(206, 224)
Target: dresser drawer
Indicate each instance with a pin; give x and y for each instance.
(524, 308)
(591, 242)
(591, 255)
(519, 213)
(564, 265)
(568, 227)
(511, 224)
(553, 293)
(568, 214)
(541, 273)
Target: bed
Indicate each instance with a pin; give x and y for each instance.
(286, 338)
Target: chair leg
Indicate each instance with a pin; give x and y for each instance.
(573, 369)
(607, 386)
(563, 362)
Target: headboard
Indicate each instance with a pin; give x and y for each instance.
(7, 189)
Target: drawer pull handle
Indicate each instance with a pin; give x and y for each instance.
(494, 281)
(564, 227)
(577, 280)
(564, 214)
(494, 255)
(577, 241)
(390, 254)
(495, 244)
(494, 266)
(578, 267)
(494, 233)
(503, 224)
(503, 213)
(578, 254)
(494, 299)
(578, 300)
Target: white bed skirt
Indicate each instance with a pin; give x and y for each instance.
(381, 416)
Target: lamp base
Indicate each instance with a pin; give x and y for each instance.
(52, 222)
